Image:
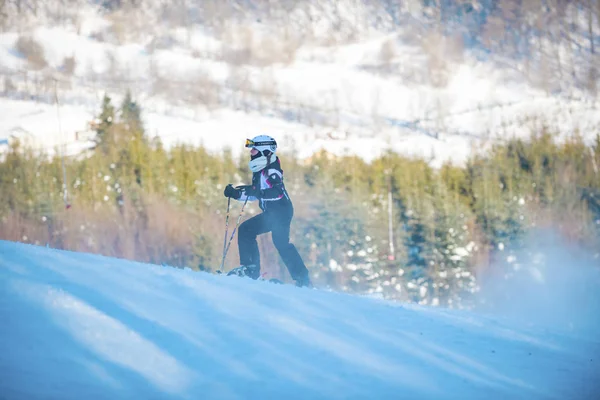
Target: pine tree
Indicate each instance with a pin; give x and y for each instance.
(105, 121)
(449, 268)
(418, 250)
(131, 113)
(133, 157)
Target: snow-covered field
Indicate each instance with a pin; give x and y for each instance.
(85, 326)
(330, 98)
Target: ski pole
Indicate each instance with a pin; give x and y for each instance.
(234, 229)
(225, 237)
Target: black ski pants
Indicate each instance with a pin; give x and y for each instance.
(277, 222)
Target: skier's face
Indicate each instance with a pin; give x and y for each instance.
(253, 152)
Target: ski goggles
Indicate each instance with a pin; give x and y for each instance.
(251, 143)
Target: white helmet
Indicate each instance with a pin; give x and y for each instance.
(261, 143)
(266, 146)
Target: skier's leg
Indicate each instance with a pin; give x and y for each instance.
(281, 239)
(247, 245)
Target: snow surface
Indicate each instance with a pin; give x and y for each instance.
(79, 326)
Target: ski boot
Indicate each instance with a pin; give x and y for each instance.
(251, 271)
(304, 282)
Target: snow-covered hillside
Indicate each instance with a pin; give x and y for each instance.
(337, 98)
(84, 326)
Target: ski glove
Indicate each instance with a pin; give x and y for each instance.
(232, 192)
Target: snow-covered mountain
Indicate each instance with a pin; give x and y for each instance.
(84, 326)
(215, 87)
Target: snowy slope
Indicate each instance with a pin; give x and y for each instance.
(330, 98)
(85, 326)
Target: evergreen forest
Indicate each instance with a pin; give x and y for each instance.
(395, 227)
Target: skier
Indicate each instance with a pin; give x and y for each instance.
(267, 187)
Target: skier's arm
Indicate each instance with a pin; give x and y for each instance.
(238, 193)
(247, 193)
(275, 183)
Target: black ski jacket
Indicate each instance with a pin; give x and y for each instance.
(268, 188)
